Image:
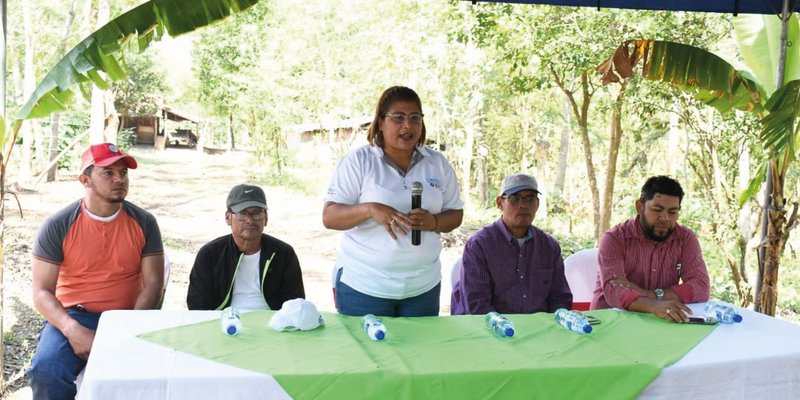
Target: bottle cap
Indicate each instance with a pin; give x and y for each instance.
(231, 329)
(380, 335)
(587, 329)
(509, 332)
(737, 318)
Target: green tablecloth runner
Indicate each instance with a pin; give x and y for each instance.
(448, 357)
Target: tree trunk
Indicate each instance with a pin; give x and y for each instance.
(276, 138)
(482, 178)
(476, 116)
(745, 227)
(725, 230)
(563, 158)
(3, 67)
(28, 86)
(230, 130)
(526, 139)
(2, 234)
(202, 137)
(96, 117)
(481, 181)
(473, 125)
(111, 119)
(55, 126)
(613, 153)
(769, 286)
(466, 165)
(672, 146)
(55, 118)
(777, 235)
(98, 103)
(582, 117)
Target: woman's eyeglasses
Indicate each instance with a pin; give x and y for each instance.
(400, 118)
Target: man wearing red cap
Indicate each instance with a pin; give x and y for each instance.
(99, 253)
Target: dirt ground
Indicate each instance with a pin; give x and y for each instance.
(186, 191)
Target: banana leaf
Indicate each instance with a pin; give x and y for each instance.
(704, 75)
(100, 57)
(759, 39)
(780, 131)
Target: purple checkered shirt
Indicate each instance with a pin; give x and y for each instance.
(500, 275)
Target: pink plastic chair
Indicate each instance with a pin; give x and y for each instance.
(581, 272)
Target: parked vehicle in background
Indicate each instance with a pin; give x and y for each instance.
(182, 137)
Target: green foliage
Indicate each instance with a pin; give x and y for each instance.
(142, 92)
(72, 123)
(704, 75)
(294, 181)
(485, 69)
(789, 297)
(572, 237)
(757, 37)
(781, 130)
(126, 138)
(571, 244)
(2, 133)
(715, 82)
(104, 50)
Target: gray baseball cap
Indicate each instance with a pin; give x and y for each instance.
(244, 196)
(518, 182)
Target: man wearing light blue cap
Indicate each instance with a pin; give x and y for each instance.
(512, 266)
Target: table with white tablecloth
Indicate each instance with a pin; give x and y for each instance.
(122, 366)
(758, 358)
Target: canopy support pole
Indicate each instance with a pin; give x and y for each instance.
(779, 77)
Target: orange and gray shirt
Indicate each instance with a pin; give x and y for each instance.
(100, 261)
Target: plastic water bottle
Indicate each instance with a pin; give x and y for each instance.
(723, 313)
(231, 321)
(573, 321)
(373, 327)
(499, 324)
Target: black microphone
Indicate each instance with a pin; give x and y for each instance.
(416, 202)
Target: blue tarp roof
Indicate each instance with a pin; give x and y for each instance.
(717, 6)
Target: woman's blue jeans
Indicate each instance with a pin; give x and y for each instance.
(352, 302)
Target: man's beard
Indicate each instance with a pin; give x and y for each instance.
(650, 231)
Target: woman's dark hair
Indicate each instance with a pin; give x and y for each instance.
(661, 184)
(390, 96)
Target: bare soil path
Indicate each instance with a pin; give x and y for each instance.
(186, 191)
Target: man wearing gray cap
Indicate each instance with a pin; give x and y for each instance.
(512, 266)
(247, 269)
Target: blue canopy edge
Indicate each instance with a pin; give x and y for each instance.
(768, 7)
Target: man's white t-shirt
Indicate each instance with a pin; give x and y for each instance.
(247, 293)
(373, 262)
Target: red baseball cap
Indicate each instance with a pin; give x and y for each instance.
(105, 154)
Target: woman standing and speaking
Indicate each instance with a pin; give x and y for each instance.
(369, 198)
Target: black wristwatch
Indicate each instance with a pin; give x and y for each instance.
(659, 294)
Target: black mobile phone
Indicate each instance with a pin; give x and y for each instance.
(702, 320)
